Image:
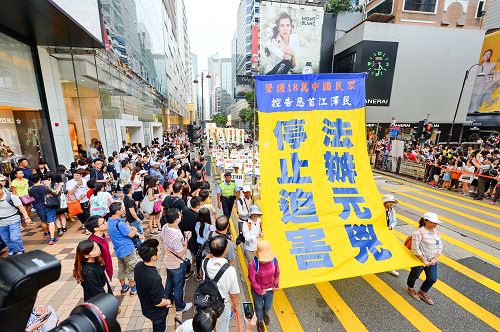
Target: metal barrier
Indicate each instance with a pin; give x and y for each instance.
(397, 165)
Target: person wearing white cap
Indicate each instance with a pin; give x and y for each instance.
(243, 204)
(390, 217)
(427, 246)
(252, 231)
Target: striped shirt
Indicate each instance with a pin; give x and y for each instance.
(426, 243)
(172, 240)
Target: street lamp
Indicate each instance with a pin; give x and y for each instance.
(196, 82)
(481, 74)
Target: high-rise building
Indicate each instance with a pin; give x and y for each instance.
(197, 97)
(214, 84)
(227, 86)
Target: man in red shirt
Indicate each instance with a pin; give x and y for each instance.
(97, 226)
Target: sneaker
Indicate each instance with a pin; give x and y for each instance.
(412, 293)
(425, 297)
(133, 290)
(64, 229)
(124, 288)
(188, 307)
(394, 273)
(189, 275)
(52, 241)
(46, 234)
(60, 232)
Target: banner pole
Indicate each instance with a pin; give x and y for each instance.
(253, 138)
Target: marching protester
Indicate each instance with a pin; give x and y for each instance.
(427, 246)
(243, 204)
(390, 216)
(149, 286)
(263, 273)
(252, 231)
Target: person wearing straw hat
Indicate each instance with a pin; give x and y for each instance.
(427, 246)
(390, 217)
(263, 273)
(252, 231)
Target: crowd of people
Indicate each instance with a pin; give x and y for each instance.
(472, 170)
(142, 199)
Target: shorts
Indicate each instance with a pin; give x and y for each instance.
(126, 266)
(46, 215)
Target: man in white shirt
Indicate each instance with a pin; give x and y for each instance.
(77, 189)
(228, 284)
(243, 204)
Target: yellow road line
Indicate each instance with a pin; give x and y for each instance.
(445, 194)
(448, 220)
(344, 313)
(490, 258)
(445, 208)
(468, 272)
(466, 303)
(282, 307)
(400, 304)
(491, 214)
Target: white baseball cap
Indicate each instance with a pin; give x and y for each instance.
(389, 198)
(432, 217)
(246, 189)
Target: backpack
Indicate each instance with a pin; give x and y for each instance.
(8, 199)
(207, 293)
(205, 248)
(409, 239)
(98, 206)
(256, 262)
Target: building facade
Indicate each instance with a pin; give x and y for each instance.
(124, 77)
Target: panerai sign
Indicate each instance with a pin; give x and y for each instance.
(310, 20)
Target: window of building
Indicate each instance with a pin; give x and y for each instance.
(425, 6)
(480, 8)
(346, 64)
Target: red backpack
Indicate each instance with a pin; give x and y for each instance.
(409, 239)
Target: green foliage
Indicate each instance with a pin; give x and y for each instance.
(337, 6)
(246, 115)
(220, 120)
(250, 97)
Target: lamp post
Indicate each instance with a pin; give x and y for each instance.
(196, 82)
(481, 74)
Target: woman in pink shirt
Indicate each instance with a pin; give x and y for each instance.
(263, 273)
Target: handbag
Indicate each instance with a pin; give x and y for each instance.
(186, 261)
(74, 207)
(27, 199)
(52, 202)
(157, 207)
(147, 205)
(63, 200)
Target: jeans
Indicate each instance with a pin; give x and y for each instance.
(262, 303)
(227, 206)
(159, 324)
(137, 224)
(174, 286)
(431, 275)
(11, 235)
(223, 320)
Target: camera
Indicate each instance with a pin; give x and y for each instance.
(22, 276)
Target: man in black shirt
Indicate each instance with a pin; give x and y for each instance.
(175, 200)
(131, 211)
(150, 288)
(189, 219)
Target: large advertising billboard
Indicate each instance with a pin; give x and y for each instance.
(290, 39)
(485, 99)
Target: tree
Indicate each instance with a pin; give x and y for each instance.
(246, 115)
(220, 120)
(336, 6)
(250, 97)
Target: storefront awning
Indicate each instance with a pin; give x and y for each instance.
(41, 22)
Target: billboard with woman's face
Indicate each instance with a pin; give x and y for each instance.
(290, 39)
(485, 98)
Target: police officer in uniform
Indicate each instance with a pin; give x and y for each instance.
(227, 191)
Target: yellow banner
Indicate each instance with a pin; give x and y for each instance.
(322, 211)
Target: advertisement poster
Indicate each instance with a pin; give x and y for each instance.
(485, 98)
(290, 39)
(322, 211)
(244, 84)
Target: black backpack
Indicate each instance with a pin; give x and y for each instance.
(207, 293)
(205, 248)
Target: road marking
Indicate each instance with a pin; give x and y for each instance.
(282, 307)
(466, 303)
(445, 208)
(491, 214)
(444, 193)
(468, 272)
(490, 258)
(340, 308)
(446, 219)
(400, 304)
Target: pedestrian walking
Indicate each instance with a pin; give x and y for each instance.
(252, 231)
(263, 273)
(121, 235)
(98, 226)
(427, 246)
(176, 245)
(202, 230)
(89, 269)
(390, 217)
(149, 286)
(47, 214)
(227, 191)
